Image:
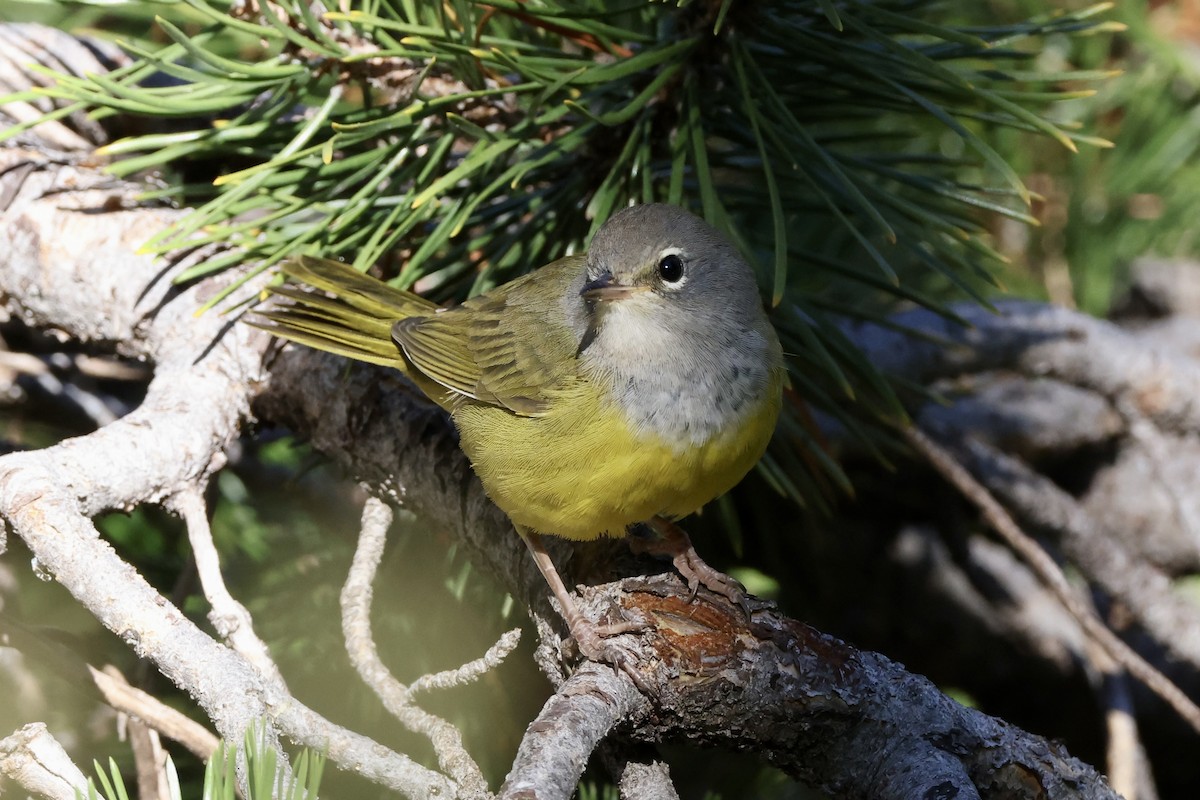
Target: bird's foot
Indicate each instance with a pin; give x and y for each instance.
(591, 639)
(674, 542)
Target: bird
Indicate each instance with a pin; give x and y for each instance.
(631, 383)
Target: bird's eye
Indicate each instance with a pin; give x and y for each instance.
(670, 269)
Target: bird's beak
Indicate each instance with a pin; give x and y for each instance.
(606, 288)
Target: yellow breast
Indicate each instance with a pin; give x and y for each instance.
(580, 472)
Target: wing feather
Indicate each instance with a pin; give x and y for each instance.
(506, 347)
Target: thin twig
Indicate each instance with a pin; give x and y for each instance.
(472, 670)
(230, 618)
(356, 628)
(150, 761)
(152, 711)
(357, 594)
(1122, 753)
(1041, 562)
(99, 410)
(1103, 556)
(92, 366)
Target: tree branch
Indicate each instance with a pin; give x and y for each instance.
(92, 287)
(35, 759)
(1047, 570)
(229, 617)
(152, 711)
(1044, 341)
(852, 722)
(397, 699)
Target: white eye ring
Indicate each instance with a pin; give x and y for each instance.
(670, 268)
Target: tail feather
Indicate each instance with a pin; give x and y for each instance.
(335, 310)
(358, 290)
(329, 337)
(356, 322)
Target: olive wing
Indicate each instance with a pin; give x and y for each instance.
(512, 347)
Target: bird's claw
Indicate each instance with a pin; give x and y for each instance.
(696, 572)
(591, 641)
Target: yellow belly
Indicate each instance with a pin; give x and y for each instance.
(579, 471)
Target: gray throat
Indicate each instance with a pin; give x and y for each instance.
(684, 399)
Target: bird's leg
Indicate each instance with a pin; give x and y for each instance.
(673, 541)
(588, 635)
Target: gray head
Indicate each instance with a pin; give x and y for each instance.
(660, 259)
(674, 319)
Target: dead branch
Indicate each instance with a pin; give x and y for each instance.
(356, 625)
(92, 287)
(1043, 341)
(153, 712)
(1033, 387)
(1051, 575)
(35, 759)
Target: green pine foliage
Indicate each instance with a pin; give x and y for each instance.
(1143, 197)
(264, 781)
(846, 147)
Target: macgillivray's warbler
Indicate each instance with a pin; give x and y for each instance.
(635, 382)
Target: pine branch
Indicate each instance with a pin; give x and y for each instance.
(458, 145)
